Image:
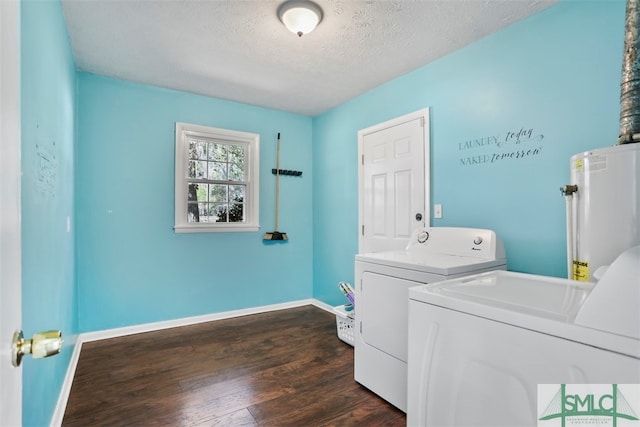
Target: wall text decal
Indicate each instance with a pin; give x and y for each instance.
(502, 147)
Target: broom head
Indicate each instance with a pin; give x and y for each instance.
(275, 235)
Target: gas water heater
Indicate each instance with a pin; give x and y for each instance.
(603, 200)
(603, 208)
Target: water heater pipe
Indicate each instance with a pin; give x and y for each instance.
(568, 191)
(630, 83)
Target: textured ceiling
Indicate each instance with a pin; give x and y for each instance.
(239, 50)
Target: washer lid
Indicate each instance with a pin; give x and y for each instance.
(546, 297)
(544, 304)
(444, 265)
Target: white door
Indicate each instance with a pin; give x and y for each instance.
(10, 273)
(394, 181)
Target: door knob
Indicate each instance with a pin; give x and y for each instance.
(42, 344)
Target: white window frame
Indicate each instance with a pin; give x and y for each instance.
(252, 161)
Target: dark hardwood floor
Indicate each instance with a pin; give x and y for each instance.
(283, 368)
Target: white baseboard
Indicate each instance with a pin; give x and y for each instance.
(322, 305)
(61, 406)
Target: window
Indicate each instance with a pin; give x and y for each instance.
(216, 179)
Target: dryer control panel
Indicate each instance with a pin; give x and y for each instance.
(457, 241)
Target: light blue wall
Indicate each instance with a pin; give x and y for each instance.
(557, 73)
(132, 267)
(48, 267)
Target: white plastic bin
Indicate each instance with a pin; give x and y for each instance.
(345, 324)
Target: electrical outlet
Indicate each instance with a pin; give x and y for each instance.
(437, 210)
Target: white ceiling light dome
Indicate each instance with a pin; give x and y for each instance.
(300, 16)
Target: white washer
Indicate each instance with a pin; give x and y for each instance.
(479, 346)
(382, 288)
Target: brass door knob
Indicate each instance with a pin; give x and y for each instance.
(42, 344)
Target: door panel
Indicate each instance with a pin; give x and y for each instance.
(378, 203)
(394, 182)
(403, 204)
(10, 275)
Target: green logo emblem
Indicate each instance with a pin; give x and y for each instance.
(587, 406)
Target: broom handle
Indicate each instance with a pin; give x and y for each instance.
(277, 178)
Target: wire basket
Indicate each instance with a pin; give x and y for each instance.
(345, 324)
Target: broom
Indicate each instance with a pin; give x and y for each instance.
(276, 235)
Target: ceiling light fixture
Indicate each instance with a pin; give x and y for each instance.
(300, 16)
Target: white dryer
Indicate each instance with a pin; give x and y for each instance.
(479, 346)
(382, 287)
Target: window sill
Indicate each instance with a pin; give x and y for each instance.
(215, 228)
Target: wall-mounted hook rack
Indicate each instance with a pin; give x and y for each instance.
(286, 172)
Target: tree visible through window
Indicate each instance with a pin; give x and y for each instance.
(219, 171)
(216, 182)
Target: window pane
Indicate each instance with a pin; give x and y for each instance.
(197, 192)
(197, 169)
(193, 215)
(217, 193)
(203, 208)
(198, 212)
(197, 150)
(201, 192)
(236, 212)
(221, 212)
(218, 152)
(213, 212)
(218, 170)
(236, 153)
(192, 192)
(236, 193)
(236, 172)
